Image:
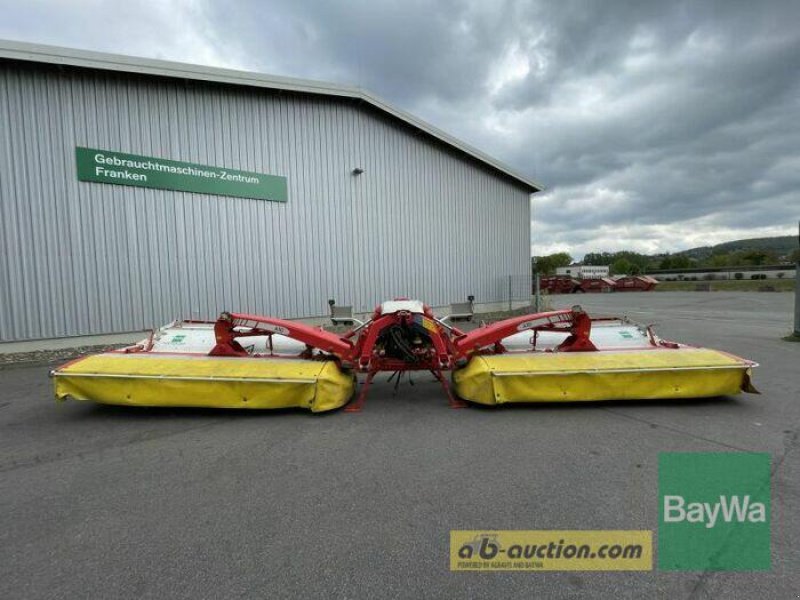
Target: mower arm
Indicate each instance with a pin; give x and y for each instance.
(574, 320)
(224, 332)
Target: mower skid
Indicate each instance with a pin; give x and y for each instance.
(208, 382)
(594, 376)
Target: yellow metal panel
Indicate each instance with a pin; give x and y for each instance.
(429, 325)
(214, 382)
(592, 376)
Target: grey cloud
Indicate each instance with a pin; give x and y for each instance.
(647, 117)
(400, 50)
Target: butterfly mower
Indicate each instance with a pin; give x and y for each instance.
(249, 361)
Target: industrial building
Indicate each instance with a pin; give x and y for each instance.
(584, 271)
(136, 191)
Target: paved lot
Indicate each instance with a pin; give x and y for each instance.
(112, 502)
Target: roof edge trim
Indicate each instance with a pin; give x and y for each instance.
(55, 55)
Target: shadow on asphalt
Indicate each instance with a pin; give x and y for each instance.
(376, 405)
(574, 406)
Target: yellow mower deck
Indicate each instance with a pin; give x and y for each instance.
(203, 381)
(592, 376)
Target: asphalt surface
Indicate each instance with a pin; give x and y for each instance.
(103, 502)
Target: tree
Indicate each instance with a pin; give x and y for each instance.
(675, 261)
(681, 261)
(609, 258)
(794, 257)
(736, 258)
(719, 260)
(621, 266)
(760, 257)
(547, 265)
(598, 259)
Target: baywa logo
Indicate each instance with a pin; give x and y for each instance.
(714, 511)
(730, 508)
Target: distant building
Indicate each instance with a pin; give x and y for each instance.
(584, 271)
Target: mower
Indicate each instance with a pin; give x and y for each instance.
(256, 362)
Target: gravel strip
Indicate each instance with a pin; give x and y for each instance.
(43, 357)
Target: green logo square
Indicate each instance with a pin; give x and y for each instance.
(714, 511)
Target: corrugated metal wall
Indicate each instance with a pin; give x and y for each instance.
(84, 258)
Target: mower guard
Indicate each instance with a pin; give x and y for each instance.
(591, 376)
(210, 382)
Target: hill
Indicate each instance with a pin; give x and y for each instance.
(752, 251)
(782, 245)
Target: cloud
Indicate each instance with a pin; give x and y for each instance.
(179, 30)
(655, 126)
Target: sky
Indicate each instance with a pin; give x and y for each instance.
(653, 126)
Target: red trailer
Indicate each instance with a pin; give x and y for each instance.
(636, 283)
(559, 284)
(598, 284)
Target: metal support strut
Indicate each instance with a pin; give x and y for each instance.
(362, 395)
(451, 399)
(358, 404)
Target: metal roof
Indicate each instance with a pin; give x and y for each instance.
(55, 55)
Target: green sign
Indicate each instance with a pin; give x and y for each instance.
(105, 166)
(714, 512)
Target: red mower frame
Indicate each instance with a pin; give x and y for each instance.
(361, 349)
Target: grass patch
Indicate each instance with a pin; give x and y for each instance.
(791, 338)
(733, 285)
